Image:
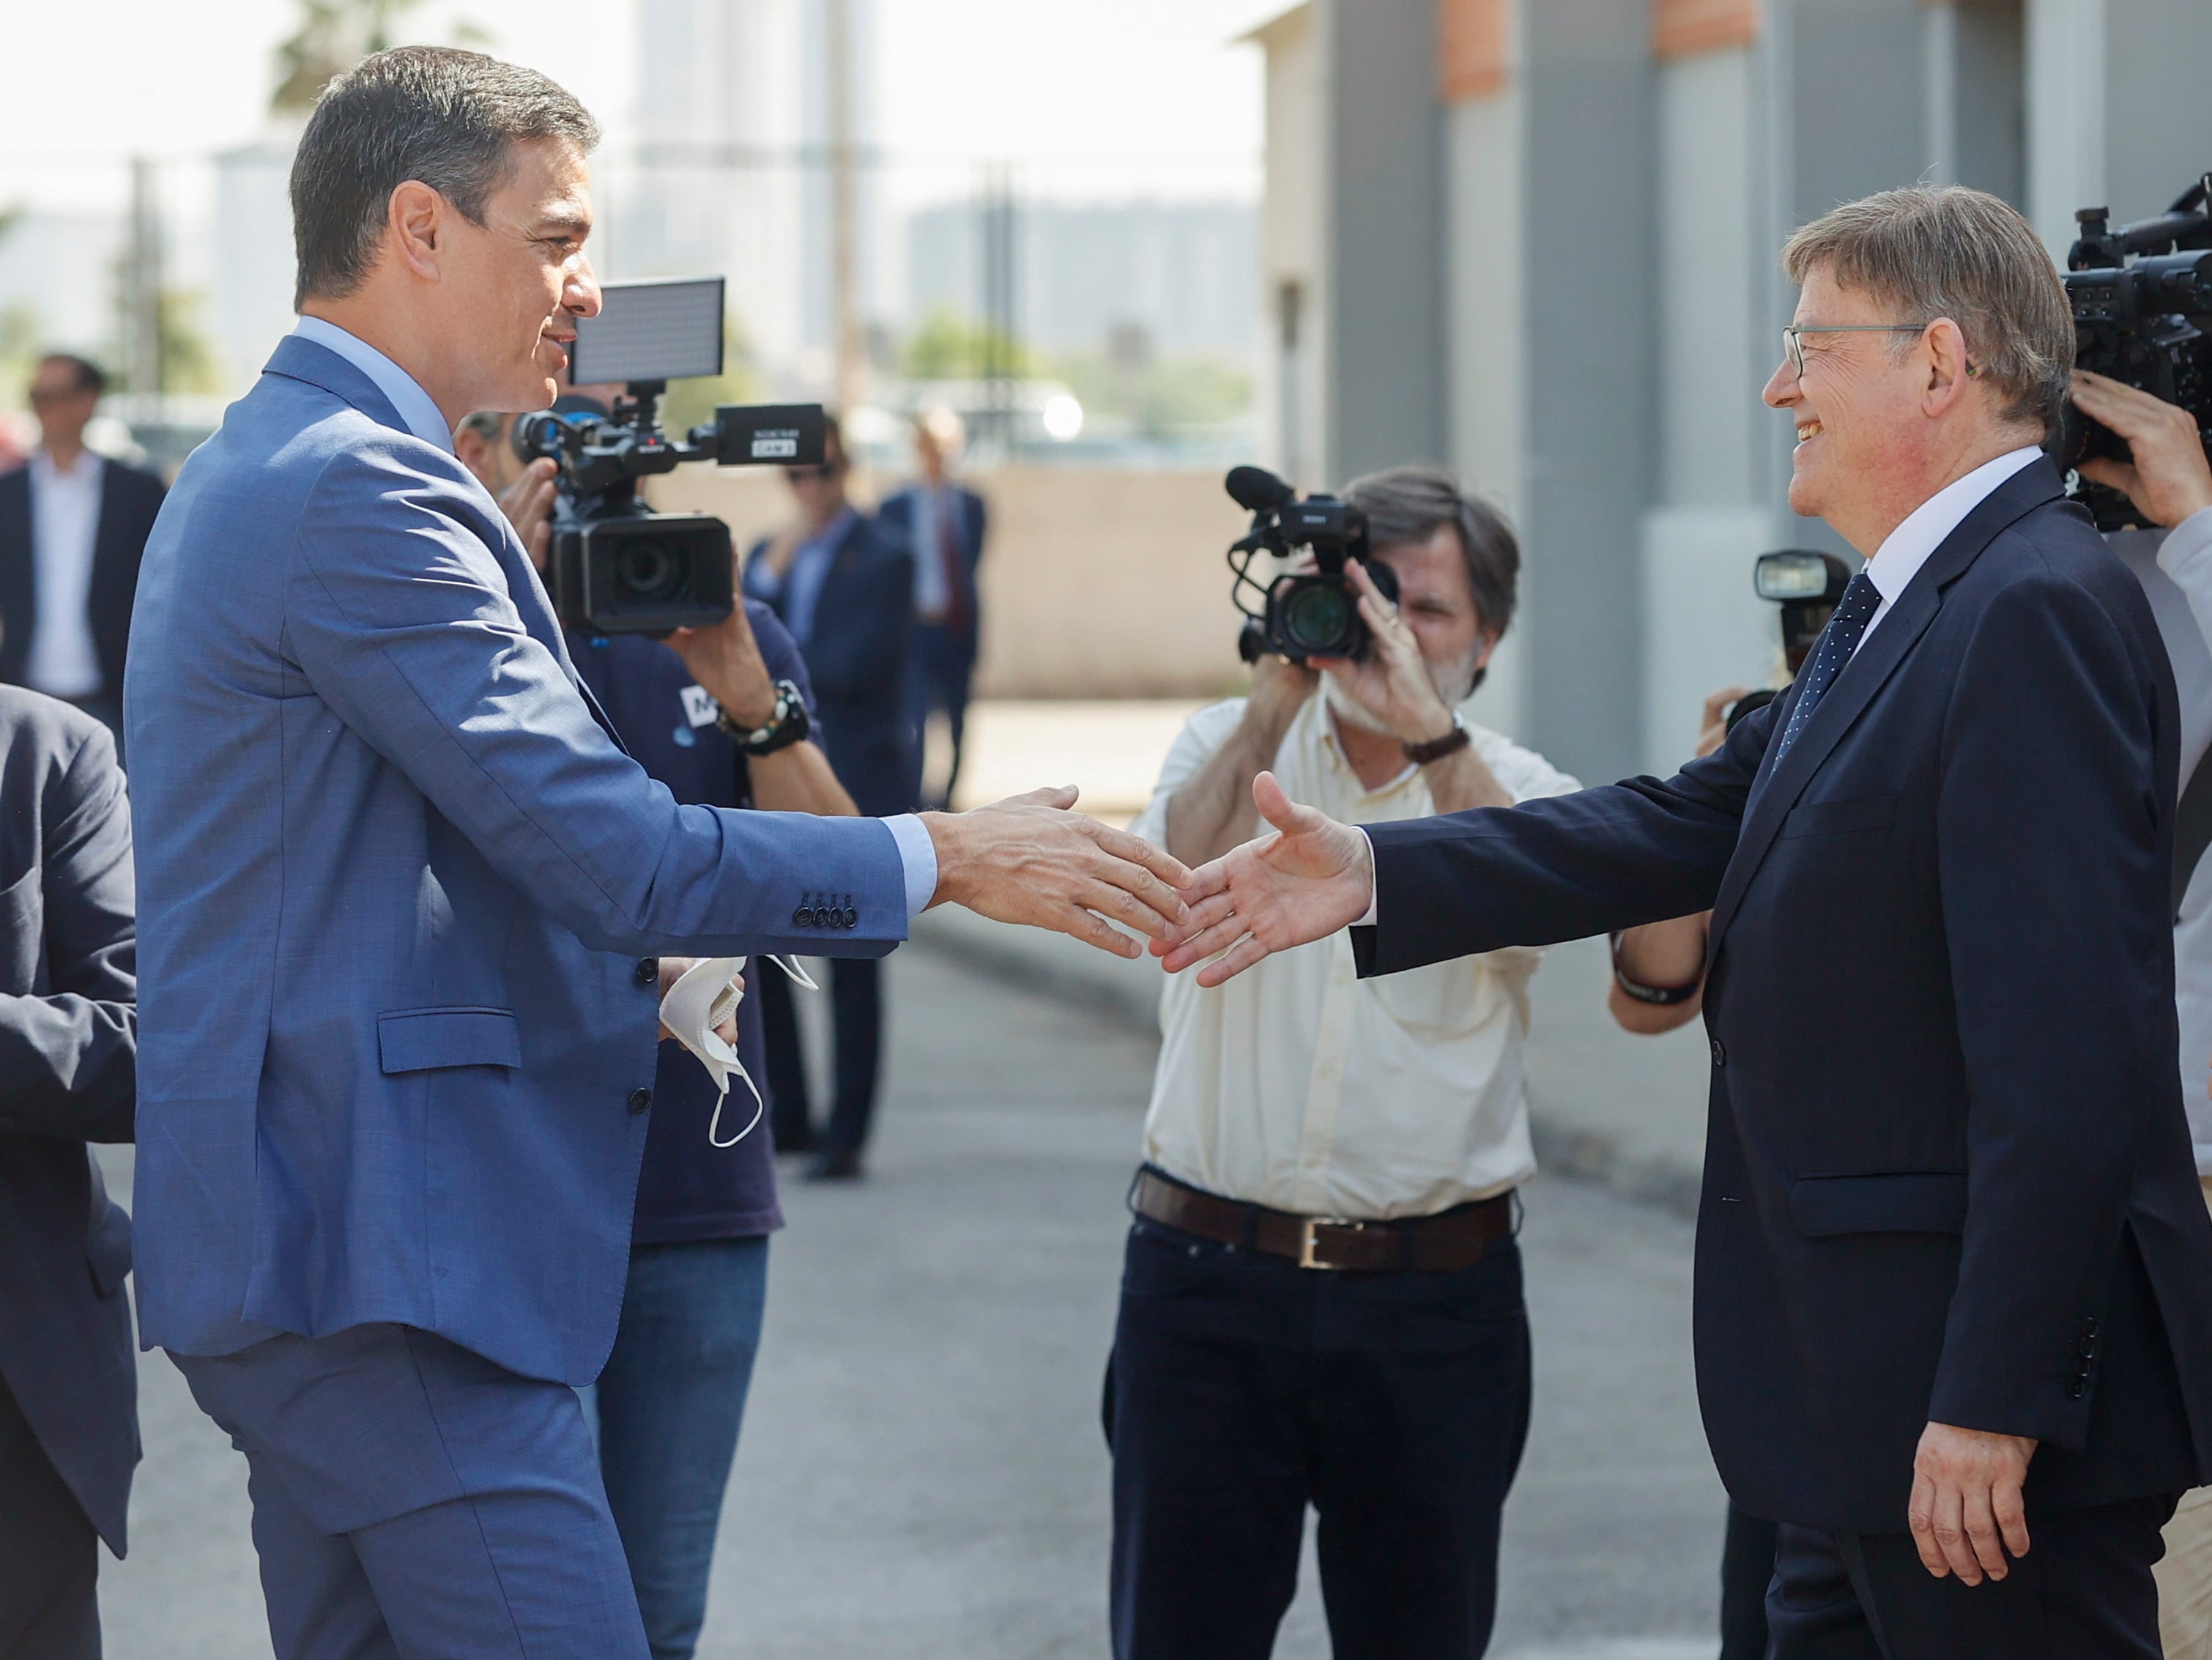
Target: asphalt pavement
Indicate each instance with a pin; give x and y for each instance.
(922, 1474)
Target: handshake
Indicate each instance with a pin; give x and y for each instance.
(1029, 860)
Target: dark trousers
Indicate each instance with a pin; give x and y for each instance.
(2083, 1591)
(1244, 1388)
(940, 665)
(856, 1015)
(1746, 1569)
(49, 1554)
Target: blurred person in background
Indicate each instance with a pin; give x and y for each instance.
(844, 589)
(73, 525)
(2170, 482)
(942, 523)
(1304, 1120)
(723, 717)
(69, 1023)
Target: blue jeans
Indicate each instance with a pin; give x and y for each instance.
(670, 1403)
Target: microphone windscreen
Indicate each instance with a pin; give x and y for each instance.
(1255, 489)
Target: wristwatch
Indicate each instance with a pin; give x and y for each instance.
(785, 726)
(1436, 748)
(1663, 996)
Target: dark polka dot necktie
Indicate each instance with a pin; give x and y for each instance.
(1838, 642)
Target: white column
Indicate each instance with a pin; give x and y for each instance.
(2066, 116)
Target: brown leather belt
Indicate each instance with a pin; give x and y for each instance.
(1451, 1240)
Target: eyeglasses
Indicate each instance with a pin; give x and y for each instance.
(1793, 345)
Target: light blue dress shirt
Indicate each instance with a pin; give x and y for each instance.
(415, 407)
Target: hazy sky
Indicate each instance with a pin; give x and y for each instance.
(1093, 97)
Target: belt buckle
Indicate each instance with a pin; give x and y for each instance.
(1309, 1227)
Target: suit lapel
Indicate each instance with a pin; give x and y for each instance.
(1776, 788)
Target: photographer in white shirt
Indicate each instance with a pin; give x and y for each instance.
(2170, 482)
(1303, 1120)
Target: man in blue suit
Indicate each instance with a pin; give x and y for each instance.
(68, 1384)
(843, 589)
(1954, 1277)
(402, 898)
(942, 521)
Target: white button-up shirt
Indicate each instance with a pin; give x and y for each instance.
(63, 661)
(1928, 527)
(1300, 1087)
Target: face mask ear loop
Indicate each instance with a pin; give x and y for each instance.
(759, 1107)
(790, 965)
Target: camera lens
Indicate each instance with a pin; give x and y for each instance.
(644, 570)
(1317, 618)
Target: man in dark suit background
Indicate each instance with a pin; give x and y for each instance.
(72, 526)
(68, 1384)
(844, 590)
(1955, 1276)
(942, 523)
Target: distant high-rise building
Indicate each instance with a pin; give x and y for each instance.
(1178, 274)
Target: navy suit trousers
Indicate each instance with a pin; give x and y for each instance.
(411, 1498)
(1244, 1388)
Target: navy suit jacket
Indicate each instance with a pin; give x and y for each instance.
(857, 661)
(395, 879)
(130, 497)
(1947, 1173)
(971, 520)
(68, 1036)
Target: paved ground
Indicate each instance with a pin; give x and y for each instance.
(922, 1475)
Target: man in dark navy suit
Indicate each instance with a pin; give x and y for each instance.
(844, 590)
(68, 1024)
(942, 522)
(72, 528)
(1954, 1277)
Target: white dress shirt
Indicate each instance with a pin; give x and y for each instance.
(1300, 1087)
(1906, 548)
(418, 413)
(2175, 568)
(63, 661)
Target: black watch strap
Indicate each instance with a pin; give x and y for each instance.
(1659, 996)
(1436, 748)
(785, 726)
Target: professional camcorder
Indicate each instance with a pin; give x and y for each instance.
(1311, 613)
(616, 567)
(1808, 586)
(2143, 323)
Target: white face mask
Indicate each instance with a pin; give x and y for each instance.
(705, 996)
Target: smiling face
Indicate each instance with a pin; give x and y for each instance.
(519, 281)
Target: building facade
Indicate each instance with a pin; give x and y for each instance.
(1537, 240)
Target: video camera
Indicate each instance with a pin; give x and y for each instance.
(616, 567)
(2142, 323)
(1310, 614)
(1808, 586)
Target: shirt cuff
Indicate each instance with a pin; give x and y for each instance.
(2186, 543)
(919, 855)
(1375, 888)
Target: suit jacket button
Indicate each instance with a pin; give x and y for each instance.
(639, 1100)
(802, 918)
(852, 917)
(648, 970)
(1720, 1053)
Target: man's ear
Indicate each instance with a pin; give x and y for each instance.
(415, 223)
(1943, 349)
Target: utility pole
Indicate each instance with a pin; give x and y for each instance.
(142, 282)
(851, 345)
(1001, 372)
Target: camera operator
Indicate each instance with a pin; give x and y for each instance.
(691, 1324)
(2170, 482)
(1306, 1121)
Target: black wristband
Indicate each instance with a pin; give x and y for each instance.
(789, 723)
(1436, 748)
(1659, 996)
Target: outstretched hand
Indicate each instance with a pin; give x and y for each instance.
(1310, 878)
(1029, 860)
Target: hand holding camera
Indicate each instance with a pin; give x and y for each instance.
(1391, 682)
(2167, 477)
(725, 659)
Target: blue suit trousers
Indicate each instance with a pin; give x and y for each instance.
(413, 1499)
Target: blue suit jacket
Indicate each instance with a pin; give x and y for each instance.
(1947, 1173)
(395, 880)
(972, 521)
(67, 1031)
(857, 661)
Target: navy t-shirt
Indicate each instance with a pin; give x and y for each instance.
(689, 1189)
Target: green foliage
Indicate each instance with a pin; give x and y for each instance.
(21, 337)
(950, 346)
(188, 356)
(1163, 397)
(691, 402)
(335, 35)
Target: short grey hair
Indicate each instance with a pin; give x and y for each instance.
(1964, 254)
(489, 425)
(1411, 504)
(445, 117)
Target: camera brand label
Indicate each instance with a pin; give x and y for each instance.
(775, 444)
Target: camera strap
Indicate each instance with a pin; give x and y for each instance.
(2192, 829)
